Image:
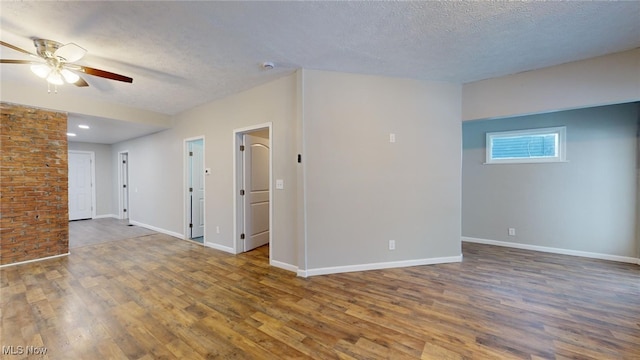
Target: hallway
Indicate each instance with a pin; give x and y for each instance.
(96, 231)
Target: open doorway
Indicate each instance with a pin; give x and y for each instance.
(195, 192)
(252, 182)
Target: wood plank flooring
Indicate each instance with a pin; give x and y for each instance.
(156, 297)
(91, 232)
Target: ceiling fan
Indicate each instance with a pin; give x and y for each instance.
(55, 63)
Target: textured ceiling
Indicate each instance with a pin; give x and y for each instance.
(182, 54)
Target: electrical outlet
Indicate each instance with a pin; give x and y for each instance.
(512, 232)
(392, 244)
(217, 229)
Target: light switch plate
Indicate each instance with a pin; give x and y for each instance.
(279, 184)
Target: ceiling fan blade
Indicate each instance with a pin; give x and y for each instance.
(105, 74)
(70, 52)
(17, 49)
(80, 83)
(9, 61)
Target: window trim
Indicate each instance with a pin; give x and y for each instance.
(561, 156)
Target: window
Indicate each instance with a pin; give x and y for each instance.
(526, 146)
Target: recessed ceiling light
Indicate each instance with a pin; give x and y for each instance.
(83, 126)
(71, 134)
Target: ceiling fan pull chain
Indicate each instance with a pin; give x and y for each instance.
(55, 88)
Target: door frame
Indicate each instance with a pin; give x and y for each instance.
(121, 213)
(186, 208)
(92, 167)
(238, 202)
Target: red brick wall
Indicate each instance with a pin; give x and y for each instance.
(34, 218)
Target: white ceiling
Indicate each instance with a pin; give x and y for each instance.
(182, 54)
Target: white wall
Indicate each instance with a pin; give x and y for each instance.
(610, 79)
(105, 176)
(587, 204)
(157, 173)
(362, 190)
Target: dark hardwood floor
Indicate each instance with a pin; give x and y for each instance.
(156, 297)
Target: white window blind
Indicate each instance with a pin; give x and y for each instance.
(527, 146)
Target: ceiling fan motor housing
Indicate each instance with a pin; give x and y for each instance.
(46, 48)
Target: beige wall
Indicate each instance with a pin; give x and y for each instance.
(610, 79)
(156, 166)
(606, 80)
(354, 191)
(361, 190)
(587, 204)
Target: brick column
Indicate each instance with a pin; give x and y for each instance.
(34, 215)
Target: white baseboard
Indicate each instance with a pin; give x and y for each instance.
(160, 230)
(34, 260)
(586, 254)
(106, 216)
(378, 266)
(284, 266)
(219, 247)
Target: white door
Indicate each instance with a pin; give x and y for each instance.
(80, 186)
(196, 188)
(256, 190)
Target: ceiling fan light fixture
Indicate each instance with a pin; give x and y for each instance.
(41, 70)
(69, 76)
(58, 66)
(55, 78)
